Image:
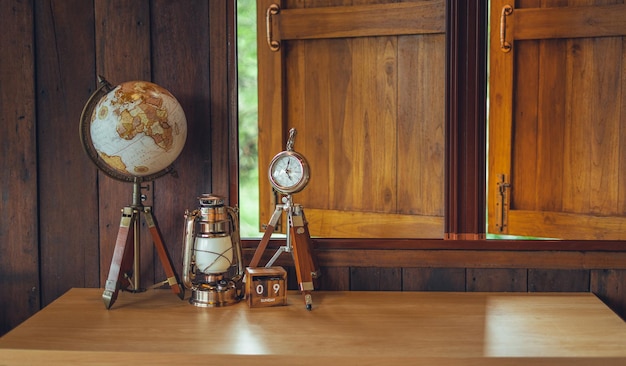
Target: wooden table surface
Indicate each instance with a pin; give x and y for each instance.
(343, 328)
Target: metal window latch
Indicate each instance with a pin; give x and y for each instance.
(502, 203)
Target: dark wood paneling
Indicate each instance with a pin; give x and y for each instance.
(188, 48)
(497, 279)
(122, 40)
(223, 80)
(174, 48)
(334, 279)
(375, 279)
(558, 280)
(68, 211)
(610, 286)
(19, 256)
(292, 282)
(433, 279)
(471, 258)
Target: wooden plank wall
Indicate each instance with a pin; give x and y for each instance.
(19, 254)
(60, 215)
(352, 267)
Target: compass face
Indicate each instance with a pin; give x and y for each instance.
(289, 172)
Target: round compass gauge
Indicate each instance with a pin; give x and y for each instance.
(289, 171)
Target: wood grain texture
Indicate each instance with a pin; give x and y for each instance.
(421, 123)
(334, 279)
(373, 141)
(19, 234)
(433, 279)
(467, 258)
(375, 279)
(51, 187)
(609, 19)
(192, 87)
(342, 324)
(497, 279)
(62, 358)
(362, 20)
(610, 286)
(566, 117)
(621, 158)
(466, 120)
(552, 280)
(122, 51)
(67, 179)
(356, 224)
(500, 118)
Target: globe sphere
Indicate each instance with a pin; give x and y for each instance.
(137, 129)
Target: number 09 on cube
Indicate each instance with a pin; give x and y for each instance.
(266, 286)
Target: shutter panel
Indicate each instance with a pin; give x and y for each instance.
(557, 113)
(363, 84)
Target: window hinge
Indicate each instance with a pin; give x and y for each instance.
(502, 203)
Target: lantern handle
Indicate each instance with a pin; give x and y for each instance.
(188, 235)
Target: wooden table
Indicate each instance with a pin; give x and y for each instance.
(346, 328)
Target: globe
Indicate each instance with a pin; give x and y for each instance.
(133, 131)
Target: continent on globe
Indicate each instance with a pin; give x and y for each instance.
(114, 162)
(148, 116)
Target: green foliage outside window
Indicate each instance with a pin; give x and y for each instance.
(248, 118)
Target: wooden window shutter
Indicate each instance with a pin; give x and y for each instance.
(363, 84)
(557, 145)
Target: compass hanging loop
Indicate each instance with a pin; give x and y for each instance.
(291, 139)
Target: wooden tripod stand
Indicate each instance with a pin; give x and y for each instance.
(124, 271)
(299, 240)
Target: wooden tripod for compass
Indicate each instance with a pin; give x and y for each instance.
(124, 271)
(299, 240)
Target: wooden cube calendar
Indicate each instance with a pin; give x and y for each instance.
(266, 286)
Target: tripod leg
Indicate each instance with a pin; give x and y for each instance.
(266, 236)
(172, 279)
(306, 268)
(122, 258)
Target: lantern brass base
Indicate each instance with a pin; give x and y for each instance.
(216, 294)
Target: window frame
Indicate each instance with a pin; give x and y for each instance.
(465, 181)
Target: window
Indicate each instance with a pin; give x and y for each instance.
(248, 118)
